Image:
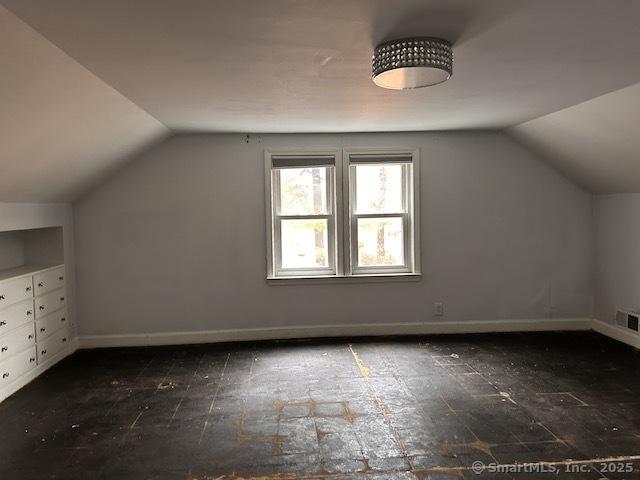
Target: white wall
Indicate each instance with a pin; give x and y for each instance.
(617, 240)
(23, 216)
(176, 240)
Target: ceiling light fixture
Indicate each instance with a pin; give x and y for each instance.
(412, 63)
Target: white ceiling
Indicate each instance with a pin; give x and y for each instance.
(595, 143)
(304, 66)
(61, 128)
(97, 81)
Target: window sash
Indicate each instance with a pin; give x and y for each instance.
(405, 215)
(277, 218)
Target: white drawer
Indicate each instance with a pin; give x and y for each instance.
(16, 290)
(16, 315)
(48, 281)
(51, 323)
(49, 303)
(16, 341)
(53, 344)
(17, 365)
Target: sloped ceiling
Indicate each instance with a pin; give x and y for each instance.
(595, 143)
(61, 128)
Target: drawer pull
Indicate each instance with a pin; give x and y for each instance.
(64, 339)
(42, 329)
(4, 349)
(30, 336)
(31, 360)
(63, 319)
(5, 374)
(1, 297)
(3, 323)
(28, 289)
(61, 278)
(29, 312)
(62, 299)
(43, 352)
(41, 307)
(41, 284)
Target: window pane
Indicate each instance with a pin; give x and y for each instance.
(380, 241)
(303, 191)
(378, 188)
(305, 243)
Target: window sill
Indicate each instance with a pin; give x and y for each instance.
(326, 279)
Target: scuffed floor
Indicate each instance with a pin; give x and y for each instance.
(400, 408)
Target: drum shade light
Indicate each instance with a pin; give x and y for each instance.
(412, 63)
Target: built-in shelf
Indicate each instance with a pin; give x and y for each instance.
(35, 328)
(24, 252)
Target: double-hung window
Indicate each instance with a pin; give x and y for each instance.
(350, 213)
(303, 214)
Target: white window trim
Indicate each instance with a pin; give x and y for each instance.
(344, 271)
(334, 218)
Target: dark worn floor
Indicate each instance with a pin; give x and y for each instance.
(414, 408)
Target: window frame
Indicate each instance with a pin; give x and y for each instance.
(342, 188)
(354, 216)
(274, 217)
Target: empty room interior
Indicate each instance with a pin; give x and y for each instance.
(319, 239)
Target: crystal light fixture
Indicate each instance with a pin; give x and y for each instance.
(412, 63)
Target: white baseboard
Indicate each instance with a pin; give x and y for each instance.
(427, 328)
(317, 331)
(617, 333)
(36, 371)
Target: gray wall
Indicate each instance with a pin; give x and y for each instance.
(11, 250)
(617, 240)
(176, 240)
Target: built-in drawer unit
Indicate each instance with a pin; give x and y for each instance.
(16, 315)
(33, 308)
(17, 365)
(52, 345)
(48, 280)
(49, 303)
(16, 340)
(15, 290)
(50, 324)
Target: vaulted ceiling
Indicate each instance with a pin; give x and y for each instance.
(88, 83)
(595, 143)
(62, 129)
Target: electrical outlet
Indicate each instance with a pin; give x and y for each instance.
(438, 309)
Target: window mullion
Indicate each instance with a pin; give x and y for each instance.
(407, 192)
(353, 230)
(346, 221)
(338, 212)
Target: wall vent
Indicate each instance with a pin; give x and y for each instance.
(628, 320)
